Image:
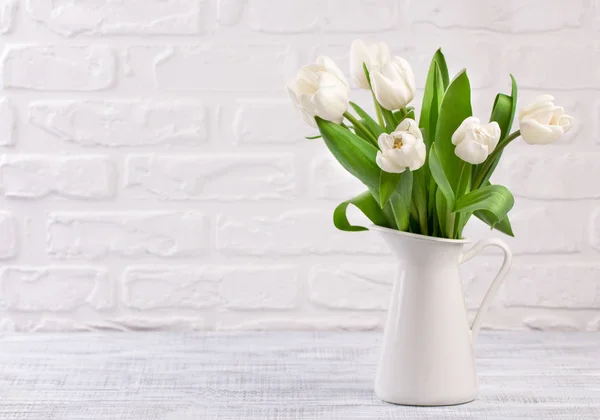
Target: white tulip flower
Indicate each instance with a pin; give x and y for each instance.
(404, 148)
(373, 56)
(542, 122)
(475, 141)
(393, 83)
(320, 90)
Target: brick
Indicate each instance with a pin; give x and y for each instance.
(122, 123)
(229, 12)
(595, 230)
(292, 17)
(177, 68)
(71, 68)
(105, 17)
(36, 176)
(169, 287)
(352, 286)
(567, 285)
(7, 123)
(209, 177)
(286, 16)
(555, 175)
(258, 287)
(360, 16)
(292, 233)
(144, 322)
(268, 122)
(8, 9)
(9, 234)
(332, 182)
(196, 287)
(539, 228)
(533, 64)
(551, 323)
(344, 322)
(73, 235)
(509, 16)
(54, 288)
(594, 324)
(7, 325)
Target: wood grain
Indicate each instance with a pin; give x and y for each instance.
(273, 375)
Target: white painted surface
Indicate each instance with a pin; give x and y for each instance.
(277, 375)
(153, 174)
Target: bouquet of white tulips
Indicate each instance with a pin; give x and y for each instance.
(427, 177)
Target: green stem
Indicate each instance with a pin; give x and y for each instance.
(458, 216)
(378, 110)
(358, 126)
(489, 162)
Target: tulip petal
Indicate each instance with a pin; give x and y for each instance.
(464, 126)
(541, 101)
(533, 132)
(330, 103)
(385, 142)
(359, 54)
(409, 125)
(493, 132)
(471, 151)
(565, 122)
(387, 165)
(330, 67)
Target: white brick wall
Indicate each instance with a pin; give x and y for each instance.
(153, 174)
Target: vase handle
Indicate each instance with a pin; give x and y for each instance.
(496, 283)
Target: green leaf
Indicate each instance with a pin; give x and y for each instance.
(464, 180)
(400, 201)
(456, 107)
(369, 122)
(353, 153)
(432, 99)
(445, 217)
(489, 219)
(390, 120)
(495, 199)
(367, 204)
(420, 200)
(441, 62)
(436, 84)
(464, 186)
(513, 96)
(438, 174)
(387, 186)
(318, 136)
(363, 135)
(502, 113)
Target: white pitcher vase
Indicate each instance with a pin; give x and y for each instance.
(427, 355)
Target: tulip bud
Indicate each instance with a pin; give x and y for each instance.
(542, 122)
(475, 141)
(373, 56)
(320, 90)
(403, 148)
(393, 83)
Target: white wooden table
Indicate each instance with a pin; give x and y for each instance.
(278, 376)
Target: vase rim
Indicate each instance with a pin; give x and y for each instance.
(418, 236)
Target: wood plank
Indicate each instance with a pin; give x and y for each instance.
(252, 375)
